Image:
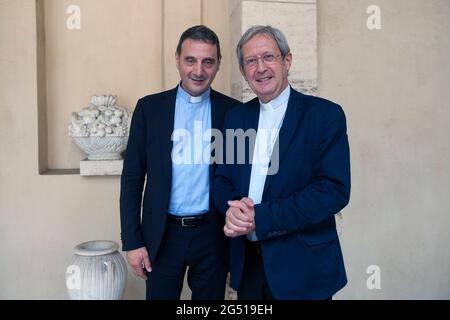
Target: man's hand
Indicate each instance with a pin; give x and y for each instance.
(239, 218)
(138, 259)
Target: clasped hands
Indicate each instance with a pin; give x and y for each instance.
(240, 218)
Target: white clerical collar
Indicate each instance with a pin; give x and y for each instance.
(282, 99)
(191, 99)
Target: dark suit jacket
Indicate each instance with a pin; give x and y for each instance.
(295, 221)
(148, 159)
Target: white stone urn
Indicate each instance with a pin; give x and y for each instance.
(97, 272)
(101, 129)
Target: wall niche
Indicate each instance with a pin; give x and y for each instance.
(87, 48)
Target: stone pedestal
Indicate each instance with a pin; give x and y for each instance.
(101, 167)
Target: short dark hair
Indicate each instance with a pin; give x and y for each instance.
(201, 33)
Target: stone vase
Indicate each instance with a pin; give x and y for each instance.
(97, 272)
(102, 148)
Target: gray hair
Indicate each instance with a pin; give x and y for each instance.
(272, 32)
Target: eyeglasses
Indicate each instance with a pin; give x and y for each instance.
(268, 58)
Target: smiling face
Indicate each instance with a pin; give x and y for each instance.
(266, 79)
(197, 64)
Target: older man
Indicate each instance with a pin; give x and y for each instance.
(280, 204)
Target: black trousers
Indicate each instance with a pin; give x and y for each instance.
(195, 249)
(253, 285)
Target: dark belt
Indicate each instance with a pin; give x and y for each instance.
(189, 221)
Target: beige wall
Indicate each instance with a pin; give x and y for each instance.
(393, 84)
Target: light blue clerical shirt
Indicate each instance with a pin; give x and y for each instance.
(191, 154)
